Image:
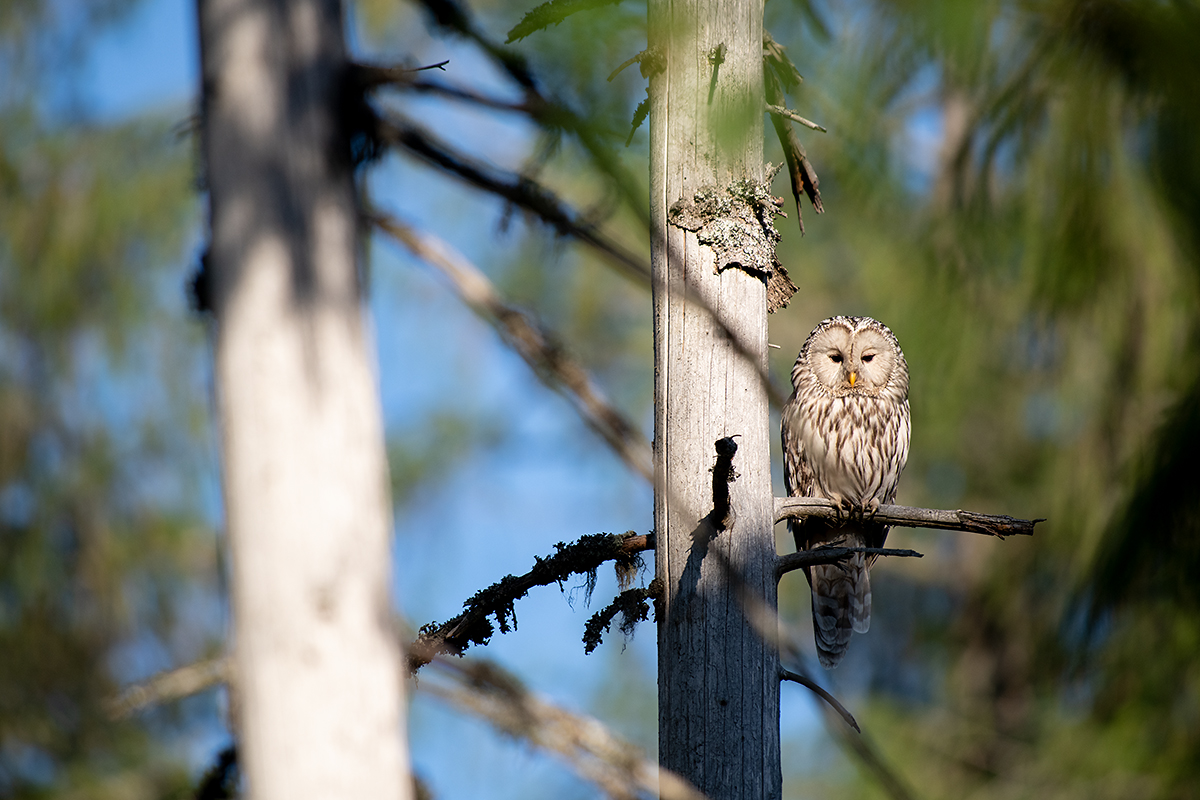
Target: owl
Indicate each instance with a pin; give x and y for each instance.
(845, 437)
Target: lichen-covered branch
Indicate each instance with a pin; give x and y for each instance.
(632, 604)
(474, 625)
(906, 516)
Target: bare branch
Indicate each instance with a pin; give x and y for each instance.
(171, 685)
(909, 517)
(473, 626)
(832, 555)
(546, 111)
(547, 358)
(521, 192)
(598, 755)
(800, 172)
(815, 688)
(782, 111)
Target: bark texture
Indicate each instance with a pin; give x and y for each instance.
(718, 681)
(319, 697)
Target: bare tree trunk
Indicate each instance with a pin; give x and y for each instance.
(718, 681)
(308, 513)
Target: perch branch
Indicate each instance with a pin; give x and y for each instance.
(909, 517)
(544, 355)
(766, 623)
(616, 766)
(473, 625)
(762, 618)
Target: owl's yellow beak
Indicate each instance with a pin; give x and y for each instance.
(853, 378)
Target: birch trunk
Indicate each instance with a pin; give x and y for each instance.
(718, 681)
(308, 514)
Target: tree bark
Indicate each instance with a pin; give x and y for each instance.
(308, 515)
(718, 681)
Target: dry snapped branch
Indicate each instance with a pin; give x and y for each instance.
(474, 625)
(906, 516)
(539, 349)
(779, 77)
(767, 624)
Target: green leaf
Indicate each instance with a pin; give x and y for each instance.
(552, 13)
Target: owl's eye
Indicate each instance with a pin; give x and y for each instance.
(867, 359)
(836, 358)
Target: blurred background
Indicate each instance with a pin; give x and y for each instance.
(1013, 186)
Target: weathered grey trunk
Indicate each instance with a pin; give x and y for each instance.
(718, 681)
(308, 514)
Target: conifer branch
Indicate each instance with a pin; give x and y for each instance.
(474, 625)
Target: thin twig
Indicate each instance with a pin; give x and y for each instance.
(988, 524)
(815, 688)
(792, 115)
(594, 752)
(533, 343)
(171, 685)
(833, 555)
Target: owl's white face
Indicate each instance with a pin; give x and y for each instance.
(854, 362)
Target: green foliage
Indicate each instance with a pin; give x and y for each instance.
(1038, 268)
(100, 543)
(552, 13)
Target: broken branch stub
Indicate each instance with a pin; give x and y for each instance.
(738, 223)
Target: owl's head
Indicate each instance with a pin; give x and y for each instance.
(854, 356)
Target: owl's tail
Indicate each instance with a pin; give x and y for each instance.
(841, 604)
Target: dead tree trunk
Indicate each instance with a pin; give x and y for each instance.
(718, 681)
(306, 499)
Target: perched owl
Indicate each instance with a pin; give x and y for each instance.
(845, 437)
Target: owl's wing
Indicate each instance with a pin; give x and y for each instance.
(798, 477)
(895, 438)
